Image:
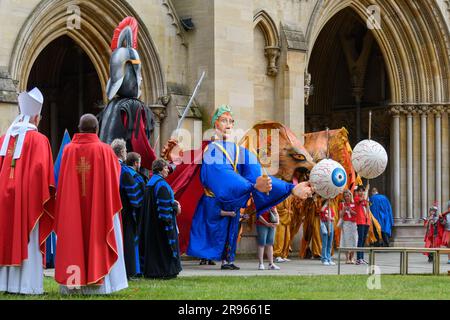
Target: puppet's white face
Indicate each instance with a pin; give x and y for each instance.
(224, 126)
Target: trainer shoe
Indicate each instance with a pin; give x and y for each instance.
(279, 259)
(226, 266)
(234, 267)
(287, 260)
(273, 266)
(331, 263)
(325, 263)
(261, 266)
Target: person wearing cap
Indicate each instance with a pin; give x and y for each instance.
(432, 239)
(230, 174)
(26, 199)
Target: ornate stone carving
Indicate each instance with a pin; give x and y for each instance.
(165, 99)
(176, 22)
(272, 54)
(307, 87)
(423, 110)
(438, 110)
(410, 110)
(395, 110)
(159, 111)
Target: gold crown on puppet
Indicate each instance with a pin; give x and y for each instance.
(30, 103)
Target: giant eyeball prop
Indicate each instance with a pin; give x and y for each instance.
(328, 178)
(369, 159)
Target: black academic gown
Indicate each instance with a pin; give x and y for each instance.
(132, 196)
(159, 236)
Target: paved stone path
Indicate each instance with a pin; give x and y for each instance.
(388, 263)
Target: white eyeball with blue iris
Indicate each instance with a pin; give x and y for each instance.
(328, 178)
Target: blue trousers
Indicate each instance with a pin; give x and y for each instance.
(327, 244)
(362, 235)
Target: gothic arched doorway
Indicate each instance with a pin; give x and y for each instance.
(348, 73)
(70, 85)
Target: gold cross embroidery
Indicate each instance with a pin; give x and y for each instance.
(11, 172)
(83, 167)
(13, 161)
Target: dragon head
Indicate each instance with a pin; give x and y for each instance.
(279, 151)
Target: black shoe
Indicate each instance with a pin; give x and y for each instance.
(202, 262)
(234, 267)
(211, 263)
(226, 267)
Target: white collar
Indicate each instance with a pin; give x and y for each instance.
(20, 126)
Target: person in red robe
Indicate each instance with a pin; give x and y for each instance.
(432, 235)
(89, 245)
(26, 199)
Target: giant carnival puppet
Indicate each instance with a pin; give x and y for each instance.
(229, 175)
(126, 116)
(294, 163)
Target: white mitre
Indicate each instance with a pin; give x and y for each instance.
(30, 104)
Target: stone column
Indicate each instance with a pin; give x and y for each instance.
(395, 141)
(160, 113)
(409, 110)
(423, 160)
(445, 157)
(438, 110)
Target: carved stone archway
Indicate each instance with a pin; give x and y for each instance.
(51, 19)
(415, 44)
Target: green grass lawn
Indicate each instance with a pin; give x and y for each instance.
(352, 287)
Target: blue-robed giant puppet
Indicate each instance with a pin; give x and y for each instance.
(230, 175)
(382, 211)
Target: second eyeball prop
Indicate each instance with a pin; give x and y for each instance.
(328, 178)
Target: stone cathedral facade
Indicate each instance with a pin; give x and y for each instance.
(309, 64)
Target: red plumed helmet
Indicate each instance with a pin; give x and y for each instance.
(126, 31)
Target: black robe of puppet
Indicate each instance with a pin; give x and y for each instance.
(132, 196)
(159, 236)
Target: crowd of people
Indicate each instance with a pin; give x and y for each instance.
(115, 221)
(113, 225)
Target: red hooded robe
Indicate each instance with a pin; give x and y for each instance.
(27, 197)
(88, 197)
